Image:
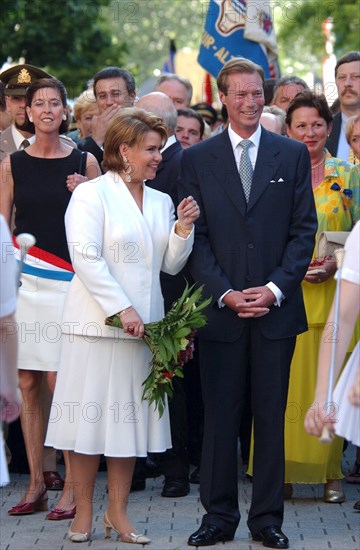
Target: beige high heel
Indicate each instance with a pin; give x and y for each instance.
(78, 537)
(131, 538)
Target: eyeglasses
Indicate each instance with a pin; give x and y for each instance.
(113, 94)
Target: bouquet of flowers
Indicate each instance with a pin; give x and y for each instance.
(171, 342)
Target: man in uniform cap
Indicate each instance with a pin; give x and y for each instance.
(207, 112)
(17, 79)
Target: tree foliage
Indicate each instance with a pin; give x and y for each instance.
(300, 35)
(70, 39)
(148, 25)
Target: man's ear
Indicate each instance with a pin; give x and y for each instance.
(222, 97)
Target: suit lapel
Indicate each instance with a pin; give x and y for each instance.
(266, 167)
(333, 140)
(226, 172)
(143, 233)
(167, 154)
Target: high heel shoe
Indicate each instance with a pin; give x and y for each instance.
(57, 514)
(39, 505)
(333, 496)
(132, 538)
(78, 537)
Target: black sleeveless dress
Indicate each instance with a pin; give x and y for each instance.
(41, 198)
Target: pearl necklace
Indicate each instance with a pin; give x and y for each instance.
(318, 163)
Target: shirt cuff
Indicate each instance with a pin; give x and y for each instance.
(279, 297)
(220, 300)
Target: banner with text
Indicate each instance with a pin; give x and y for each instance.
(239, 28)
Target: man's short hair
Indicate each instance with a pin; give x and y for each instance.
(347, 58)
(116, 72)
(279, 113)
(181, 79)
(288, 80)
(238, 65)
(190, 113)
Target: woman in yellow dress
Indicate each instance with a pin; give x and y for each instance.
(336, 186)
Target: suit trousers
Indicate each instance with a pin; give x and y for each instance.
(224, 367)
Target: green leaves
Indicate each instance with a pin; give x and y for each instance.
(171, 343)
(71, 40)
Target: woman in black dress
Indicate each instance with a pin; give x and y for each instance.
(38, 182)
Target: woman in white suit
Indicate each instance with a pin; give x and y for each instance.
(121, 233)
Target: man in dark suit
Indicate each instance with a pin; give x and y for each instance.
(253, 244)
(347, 78)
(173, 464)
(161, 105)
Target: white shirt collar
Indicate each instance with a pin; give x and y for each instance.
(236, 139)
(19, 138)
(170, 140)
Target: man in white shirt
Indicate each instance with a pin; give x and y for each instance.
(347, 78)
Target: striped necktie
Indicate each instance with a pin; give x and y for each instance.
(245, 167)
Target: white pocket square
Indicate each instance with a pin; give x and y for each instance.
(280, 180)
(272, 181)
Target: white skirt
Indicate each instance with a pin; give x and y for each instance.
(39, 312)
(97, 406)
(348, 416)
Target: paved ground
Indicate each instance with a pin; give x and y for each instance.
(309, 523)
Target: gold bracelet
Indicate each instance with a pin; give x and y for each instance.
(122, 312)
(183, 229)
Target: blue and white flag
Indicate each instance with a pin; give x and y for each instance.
(169, 65)
(239, 28)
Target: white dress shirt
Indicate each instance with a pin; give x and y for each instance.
(19, 138)
(235, 140)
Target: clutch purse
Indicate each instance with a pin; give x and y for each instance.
(329, 241)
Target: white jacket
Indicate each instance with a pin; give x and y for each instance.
(117, 253)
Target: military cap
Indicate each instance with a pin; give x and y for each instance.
(207, 111)
(17, 79)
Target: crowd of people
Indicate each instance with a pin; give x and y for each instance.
(146, 194)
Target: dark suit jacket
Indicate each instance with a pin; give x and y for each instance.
(168, 172)
(88, 144)
(239, 246)
(333, 141)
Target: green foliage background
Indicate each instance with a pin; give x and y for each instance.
(72, 39)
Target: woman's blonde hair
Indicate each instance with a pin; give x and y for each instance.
(129, 127)
(349, 126)
(85, 100)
